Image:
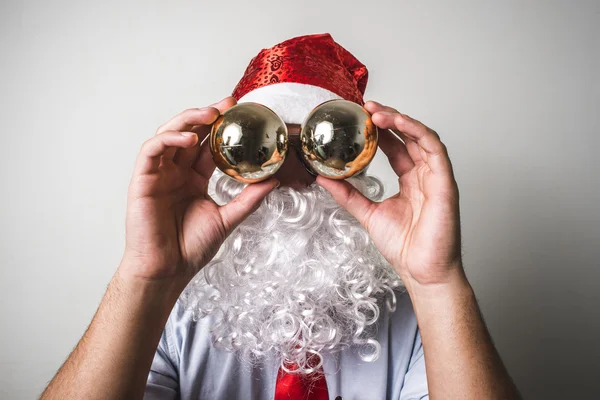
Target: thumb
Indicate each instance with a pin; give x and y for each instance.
(244, 204)
(348, 197)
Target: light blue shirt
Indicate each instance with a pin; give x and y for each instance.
(187, 365)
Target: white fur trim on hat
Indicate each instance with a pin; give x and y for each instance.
(291, 101)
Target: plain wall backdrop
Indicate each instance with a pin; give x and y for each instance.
(512, 87)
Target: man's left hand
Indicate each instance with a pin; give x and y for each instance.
(418, 229)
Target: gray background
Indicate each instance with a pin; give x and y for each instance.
(512, 87)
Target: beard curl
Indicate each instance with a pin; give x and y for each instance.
(298, 278)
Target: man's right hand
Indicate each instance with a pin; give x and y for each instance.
(173, 227)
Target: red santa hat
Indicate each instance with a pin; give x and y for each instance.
(295, 76)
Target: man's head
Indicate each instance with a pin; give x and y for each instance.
(300, 276)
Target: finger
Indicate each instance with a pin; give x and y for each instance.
(348, 197)
(148, 160)
(396, 152)
(413, 148)
(238, 209)
(185, 120)
(186, 157)
(168, 155)
(432, 150)
(414, 130)
(225, 104)
(373, 107)
(204, 164)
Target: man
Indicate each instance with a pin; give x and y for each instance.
(290, 297)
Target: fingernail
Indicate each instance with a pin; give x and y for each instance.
(188, 134)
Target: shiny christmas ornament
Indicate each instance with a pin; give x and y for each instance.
(249, 142)
(339, 139)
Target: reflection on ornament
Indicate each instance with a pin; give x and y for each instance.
(249, 142)
(339, 139)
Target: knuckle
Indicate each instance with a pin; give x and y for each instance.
(405, 118)
(146, 146)
(443, 149)
(456, 191)
(227, 101)
(399, 120)
(160, 129)
(186, 114)
(399, 115)
(189, 111)
(150, 145)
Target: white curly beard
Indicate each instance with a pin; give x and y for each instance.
(299, 277)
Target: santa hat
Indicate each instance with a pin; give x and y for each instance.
(297, 75)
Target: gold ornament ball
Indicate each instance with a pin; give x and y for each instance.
(249, 142)
(339, 139)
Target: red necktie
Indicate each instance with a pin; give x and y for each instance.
(301, 386)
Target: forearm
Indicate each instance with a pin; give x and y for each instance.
(460, 358)
(113, 358)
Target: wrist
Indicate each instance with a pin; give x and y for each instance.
(441, 306)
(454, 285)
(155, 294)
